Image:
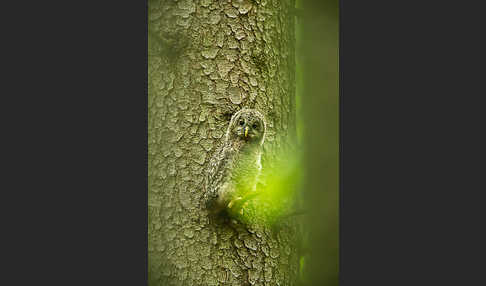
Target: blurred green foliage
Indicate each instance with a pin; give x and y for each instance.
(275, 194)
(320, 105)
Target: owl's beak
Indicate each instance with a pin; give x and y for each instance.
(246, 131)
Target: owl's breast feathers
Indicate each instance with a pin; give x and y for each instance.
(233, 166)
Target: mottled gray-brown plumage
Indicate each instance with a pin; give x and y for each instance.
(236, 164)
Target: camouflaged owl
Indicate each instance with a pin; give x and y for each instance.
(234, 168)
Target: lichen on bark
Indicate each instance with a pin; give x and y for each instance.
(208, 59)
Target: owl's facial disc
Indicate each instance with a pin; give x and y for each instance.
(248, 128)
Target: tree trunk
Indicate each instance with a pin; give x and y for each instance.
(207, 60)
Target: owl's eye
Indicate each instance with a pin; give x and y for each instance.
(255, 126)
(242, 122)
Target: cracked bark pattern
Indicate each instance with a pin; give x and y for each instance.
(208, 59)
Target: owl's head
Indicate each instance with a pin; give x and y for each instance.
(249, 125)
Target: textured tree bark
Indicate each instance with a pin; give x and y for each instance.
(208, 59)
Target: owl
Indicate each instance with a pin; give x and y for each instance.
(234, 168)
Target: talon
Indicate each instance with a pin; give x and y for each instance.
(232, 202)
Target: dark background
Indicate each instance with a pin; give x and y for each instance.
(75, 143)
